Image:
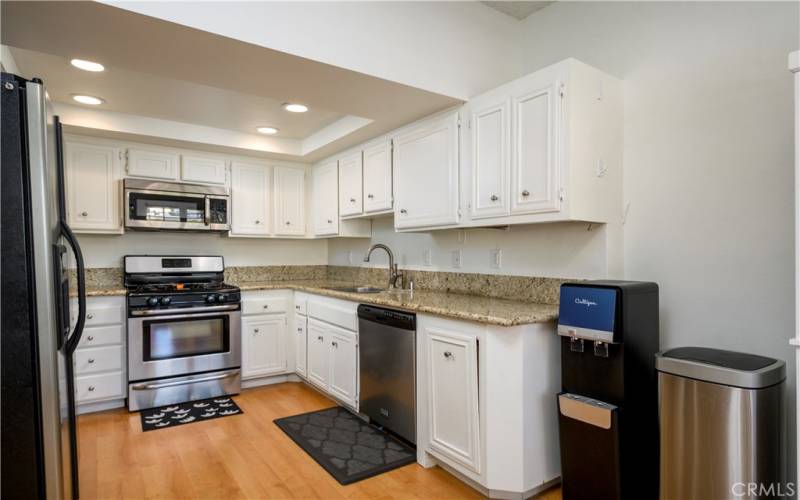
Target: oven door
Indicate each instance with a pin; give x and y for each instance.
(171, 345)
(147, 209)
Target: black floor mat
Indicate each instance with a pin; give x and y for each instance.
(346, 446)
(168, 416)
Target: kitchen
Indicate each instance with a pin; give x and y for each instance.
(493, 170)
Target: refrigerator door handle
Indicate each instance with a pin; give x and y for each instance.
(72, 341)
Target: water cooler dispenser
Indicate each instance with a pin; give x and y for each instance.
(608, 407)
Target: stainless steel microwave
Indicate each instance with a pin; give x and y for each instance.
(152, 205)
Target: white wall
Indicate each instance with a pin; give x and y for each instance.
(708, 157)
(553, 250)
(453, 48)
(107, 251)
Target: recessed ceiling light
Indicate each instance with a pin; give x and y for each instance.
(295, 108)
(87, 65)
(87, 99)
(267, 130)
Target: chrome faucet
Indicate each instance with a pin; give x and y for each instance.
(394, 274)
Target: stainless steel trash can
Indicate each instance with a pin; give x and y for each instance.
(722, 426)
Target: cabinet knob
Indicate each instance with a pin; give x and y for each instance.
(494, 197)
(297, 307)
(526, 193)
(334, 344)
(84, 214)
(91, 388)
(89, 316)
(352, 200)
(266, 306)
(299, 330)
(288, 223)
(91, 360)
(403, 211)
(320, 339)
(448, 354)
(330, 221)
(258, 221)
(255, 330)
(370, 196)
(90, 338)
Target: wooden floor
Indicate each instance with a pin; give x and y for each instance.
(244, 456)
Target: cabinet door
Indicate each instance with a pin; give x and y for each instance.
(350, 185)
(290, 202)
(425, 159)
(453, 395)
(318, 351)
(250, 193)
(536, 115)
(263, 350)
(378, 177)
(300, 341)
(92, 187)
(325, 183)
(491, 150)
(203, 169)
(152, 164)
(344, 365)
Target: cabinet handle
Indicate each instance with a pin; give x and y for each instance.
(320, 339)
(255, 330)
(84, 214)
(91, 388)
(448, 354)
(370, 196)
(403, 211)
(89, 316)
(90, 338)
(526, 193)
(297, 307)
(494, 197)
(334, 344)
(352, 200)
(91, 360)
(299, 330)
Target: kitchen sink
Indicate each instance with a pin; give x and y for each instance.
(358, 289)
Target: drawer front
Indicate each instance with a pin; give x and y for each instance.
(97, 387)
(300, 305)
(100, 314)
(101, 336)
(99, 359)
(336, 313)
(263, 305)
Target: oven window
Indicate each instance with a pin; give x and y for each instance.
(168, 339)
(172, 208)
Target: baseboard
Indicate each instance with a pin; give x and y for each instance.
(269, 380)
(100, 406)
(499, 494)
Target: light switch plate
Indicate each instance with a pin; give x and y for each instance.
(496, 258)
(456, 259)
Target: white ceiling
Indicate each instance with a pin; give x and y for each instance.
(518, 9)
(162, 70)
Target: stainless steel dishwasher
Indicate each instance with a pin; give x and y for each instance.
(388, 360)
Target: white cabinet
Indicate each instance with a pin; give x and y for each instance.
(318, 353)
(452, 374)
(251, 197)
(343, 364)
(93, 187)
(204, 169)
(350, 185)
(152, 164)
(490, 122)
(289, 194)
(263, 345)
(300, 341)
(377, 194)
(325, 186)
(425, 160)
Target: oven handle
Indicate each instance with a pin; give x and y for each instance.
(147, 387)
(171, 313)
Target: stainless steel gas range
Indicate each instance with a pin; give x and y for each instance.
(184, 332)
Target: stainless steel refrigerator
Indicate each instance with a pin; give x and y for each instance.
(37, 340)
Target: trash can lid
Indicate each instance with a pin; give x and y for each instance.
(737, 369)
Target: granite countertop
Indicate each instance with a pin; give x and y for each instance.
(487, 310)
(100, 291)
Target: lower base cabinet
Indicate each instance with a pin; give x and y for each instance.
(333, 360)
(263, 345)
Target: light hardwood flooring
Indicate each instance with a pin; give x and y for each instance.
(244, 456)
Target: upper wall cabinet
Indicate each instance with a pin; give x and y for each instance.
(152, 164)
(325, 185)
(378, 178)
(545, 147)
(350, 185)
(251, 198)
(425, 160)
(204, 169)
(92, 182)
(289, 195)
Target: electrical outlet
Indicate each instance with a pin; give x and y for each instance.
(427, 258)
(496, 258)
(456, 259)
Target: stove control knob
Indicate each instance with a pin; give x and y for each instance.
(152, 301)
(222, 298)
(211, 298)
(165, 301)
